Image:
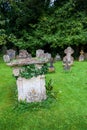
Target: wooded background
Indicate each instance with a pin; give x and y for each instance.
(34, 24)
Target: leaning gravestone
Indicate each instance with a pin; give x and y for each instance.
(68, 59)
(81, 57)
(11, 53)
(6, 58)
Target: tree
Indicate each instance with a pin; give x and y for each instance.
(32, 24)
(3, 36)
(65, 26)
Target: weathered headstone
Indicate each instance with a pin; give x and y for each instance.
(68, 59)
(51, 67)
(81, 57)
(57, 57)
(11, 53)
(6, 58)
(40, 53)
(47, 56)
(24, 54)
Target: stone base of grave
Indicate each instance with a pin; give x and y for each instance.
(31, 90)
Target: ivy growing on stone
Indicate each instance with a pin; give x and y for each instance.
(30, 71)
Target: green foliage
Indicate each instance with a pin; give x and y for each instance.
(64, 26)
(32, 71)
(3, 39)
(49, 85)
(3, 36)
(32, 24)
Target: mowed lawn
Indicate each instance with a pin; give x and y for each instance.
(67, 111)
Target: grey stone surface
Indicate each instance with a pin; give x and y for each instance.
(6, 58)
(40, 53)
(23, 54)
(11, 53)
(68, 59)
(81, 57)
(47, 56)
(57, 57)
(31, 90)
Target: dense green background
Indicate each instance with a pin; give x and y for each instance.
(32, 24)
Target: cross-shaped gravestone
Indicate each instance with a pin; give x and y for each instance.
(68, 59)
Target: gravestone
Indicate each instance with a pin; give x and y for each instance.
(57, 57)
(6, 58)
(81, 57)
(23, 54)
(11, 53)
(40, 53)
(51, 67)
(68, 59)
(47, 56)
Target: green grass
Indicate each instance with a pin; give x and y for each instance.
(67, 112)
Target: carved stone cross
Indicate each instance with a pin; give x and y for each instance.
(68, 59)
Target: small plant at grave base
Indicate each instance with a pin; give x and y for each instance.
(30, 71)
(22, 106)
(49, 89)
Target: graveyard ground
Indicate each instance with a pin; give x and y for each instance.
(67, 112)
